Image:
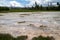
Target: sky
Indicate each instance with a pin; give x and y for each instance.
(25, 3)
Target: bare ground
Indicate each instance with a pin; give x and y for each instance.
(28, 23)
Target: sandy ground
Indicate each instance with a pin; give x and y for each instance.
(28, 23)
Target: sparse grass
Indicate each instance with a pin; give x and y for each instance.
(27, 10)
(30, 10)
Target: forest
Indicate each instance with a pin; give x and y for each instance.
(33, 8)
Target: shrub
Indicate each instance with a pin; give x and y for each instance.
(43, 38)
(9, 37)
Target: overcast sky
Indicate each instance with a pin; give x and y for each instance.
(24, 3)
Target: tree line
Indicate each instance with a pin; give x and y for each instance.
(4, 8)
(47, 8)
(36, 8)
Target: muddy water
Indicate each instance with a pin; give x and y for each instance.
(28, 23)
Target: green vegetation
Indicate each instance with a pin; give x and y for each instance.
(6, 37)
(21, 38)
(4, 9)
(31, 9)
(9, 37)
(43, 38)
